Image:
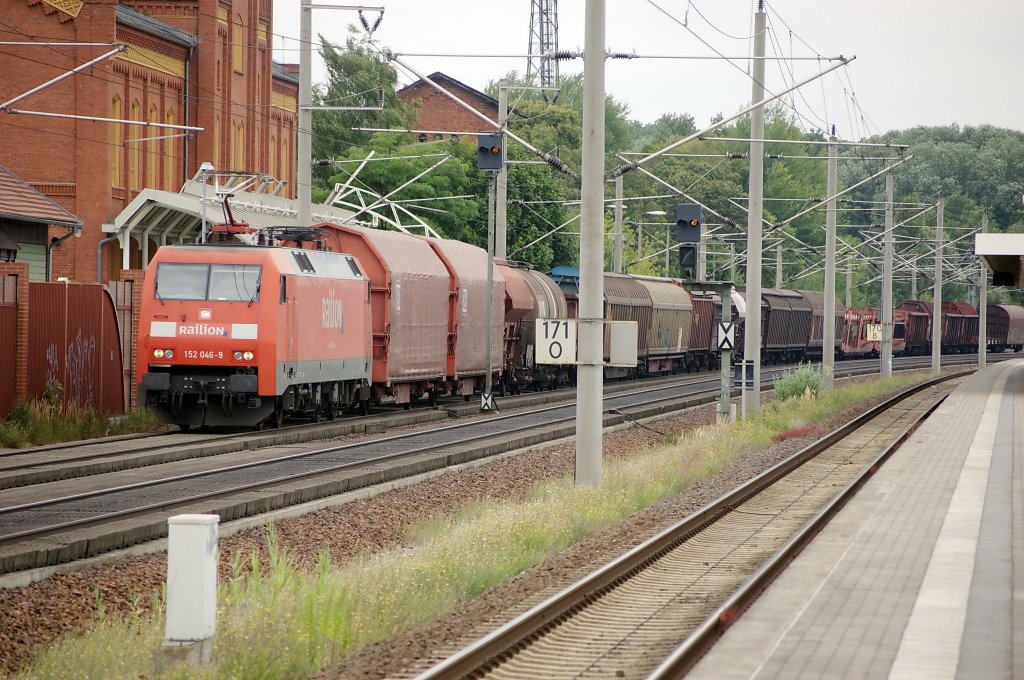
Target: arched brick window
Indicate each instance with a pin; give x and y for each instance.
(116, 141)
(238, 45)
(152, 157)
(272, 156)
(134, 132)
(169, 160)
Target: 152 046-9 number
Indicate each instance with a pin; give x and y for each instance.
(203, 354)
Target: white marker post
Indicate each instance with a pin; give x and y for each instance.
(191, 589)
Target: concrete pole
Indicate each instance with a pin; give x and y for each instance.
(828, 336)
(913, 279)
(755, 212)
(304, 141)
(732, 271)
(778, 264)
(702, 257)
(937, 311)
(887, 253)
(617, 237)
(590, 372)
(501, 200)
(849, 283)
(982, 304)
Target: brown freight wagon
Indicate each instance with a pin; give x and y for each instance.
(668, 336)
(816, 300)
(959, 328)
(918, 326)
(787, 328)
(1004, 328)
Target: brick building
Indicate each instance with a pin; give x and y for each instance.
(440, 113)
(201, 63)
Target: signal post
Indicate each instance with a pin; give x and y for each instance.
(688, 231)
(490, 157)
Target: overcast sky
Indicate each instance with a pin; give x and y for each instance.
(919, 62)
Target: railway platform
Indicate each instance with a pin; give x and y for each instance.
(921, 574)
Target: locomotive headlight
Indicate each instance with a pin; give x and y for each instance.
(238, 356)
(169, 353)
(247, 356)
(158, 353)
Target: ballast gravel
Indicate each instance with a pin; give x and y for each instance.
(33, 616)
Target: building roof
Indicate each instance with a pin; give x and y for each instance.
(283, 72)
(22, 203)
(447, 81)
(6, 242)
(147, 24)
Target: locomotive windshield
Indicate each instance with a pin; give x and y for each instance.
(221, 282)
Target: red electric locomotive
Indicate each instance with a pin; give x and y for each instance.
(244, 335)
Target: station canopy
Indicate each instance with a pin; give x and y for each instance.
(1002, 254)
(177, 217)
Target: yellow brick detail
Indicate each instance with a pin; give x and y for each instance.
(153, 59)
(262, 31)
(284, 101)
(72, 7)
(222, 15)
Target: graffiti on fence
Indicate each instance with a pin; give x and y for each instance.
(80, 359)
(52, 367)
(79, 362)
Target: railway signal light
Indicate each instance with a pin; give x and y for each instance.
(490, 153)
(688, 223)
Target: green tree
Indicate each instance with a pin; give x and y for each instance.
(357, 75)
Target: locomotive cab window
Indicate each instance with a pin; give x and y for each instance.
(182, 281)
(220, 282)
(235, 282)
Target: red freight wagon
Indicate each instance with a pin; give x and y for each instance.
(549, 302)
(409, 296)
(241, 335)
(518, 303)
(467, 314)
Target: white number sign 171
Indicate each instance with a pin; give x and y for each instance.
(556, 341)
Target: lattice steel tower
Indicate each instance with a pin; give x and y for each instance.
(542, 65)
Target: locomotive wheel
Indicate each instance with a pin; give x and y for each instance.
(184, 427)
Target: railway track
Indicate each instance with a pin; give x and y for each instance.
(60, 521)
(693, 579)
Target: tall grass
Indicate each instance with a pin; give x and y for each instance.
(796, 382)
(48, 421)
(276, 621)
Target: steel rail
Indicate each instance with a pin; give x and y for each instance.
(686, 655)
(321, 471)
(485, 651)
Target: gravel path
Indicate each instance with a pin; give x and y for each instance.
(35, 615)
